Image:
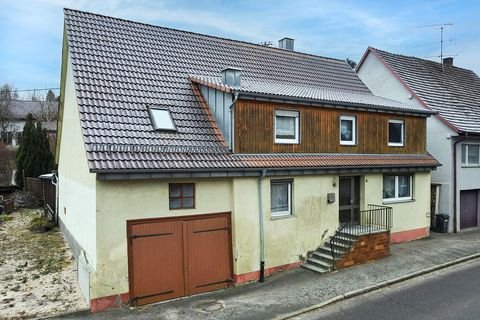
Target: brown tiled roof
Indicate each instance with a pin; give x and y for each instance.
(338, 160)
(453, 92)
(120, 68)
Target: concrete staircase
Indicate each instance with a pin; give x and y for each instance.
(321, 260)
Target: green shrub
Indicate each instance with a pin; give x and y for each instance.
(40, 225)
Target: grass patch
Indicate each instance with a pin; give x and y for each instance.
(40, 225)
(5, 218)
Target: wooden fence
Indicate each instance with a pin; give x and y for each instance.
(44, 190)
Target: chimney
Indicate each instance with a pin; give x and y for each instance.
(231, 76)
(286, 43)
(448, 61)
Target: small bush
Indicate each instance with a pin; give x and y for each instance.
(5, 218)
(40, 225)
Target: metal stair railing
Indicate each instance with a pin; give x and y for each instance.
(376, 218)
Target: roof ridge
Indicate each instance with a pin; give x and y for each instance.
(285, 51)
(417, 58)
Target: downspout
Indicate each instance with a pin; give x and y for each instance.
(455, 182)
(260, 217)
(230, 108)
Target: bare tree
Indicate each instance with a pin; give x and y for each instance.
(7, 95)
(48, 108)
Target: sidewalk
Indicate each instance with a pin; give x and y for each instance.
(292, 291)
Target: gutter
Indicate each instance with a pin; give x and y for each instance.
(232, 119)
(262, 235)
(455, 185)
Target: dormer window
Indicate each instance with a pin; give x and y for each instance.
(161, 118)
(348, 128)
(286, 126)
(396, 133)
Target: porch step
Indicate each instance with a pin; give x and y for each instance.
(321, 260)
(315, 268)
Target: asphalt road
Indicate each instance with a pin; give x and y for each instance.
(452, 293)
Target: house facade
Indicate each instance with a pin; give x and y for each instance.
(19, 111)
(187, 163)
(453, 134)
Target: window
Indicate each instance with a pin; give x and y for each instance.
(161, 118)
(397, 187)
(471, 154)
(182, 195)
(281, 197)
(286, 126)
(6, 137)
(396, 132)
(348, 130)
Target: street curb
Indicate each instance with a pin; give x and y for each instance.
(377, 286)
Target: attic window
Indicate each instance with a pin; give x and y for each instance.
(161, 118)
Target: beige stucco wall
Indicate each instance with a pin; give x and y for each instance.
(285, 239)
(119, 201)
(407, 215)
(76, 190)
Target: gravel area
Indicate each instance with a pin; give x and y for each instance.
(37, 270)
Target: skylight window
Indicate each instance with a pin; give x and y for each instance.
(161, 118)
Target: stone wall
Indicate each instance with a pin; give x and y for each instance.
(367, 248)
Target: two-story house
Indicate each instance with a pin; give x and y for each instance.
(453, 134)
(188, 162)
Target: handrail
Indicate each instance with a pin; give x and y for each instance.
(376, 218)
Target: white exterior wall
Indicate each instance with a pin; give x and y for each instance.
(383, 83)
(76, 189)
(468, 177)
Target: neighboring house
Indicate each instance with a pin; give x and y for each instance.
(453, 135)
(188, 162)
(20, 109)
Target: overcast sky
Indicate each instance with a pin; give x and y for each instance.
(31, 30)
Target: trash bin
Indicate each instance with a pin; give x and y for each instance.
(442, 223)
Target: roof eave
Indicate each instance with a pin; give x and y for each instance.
(335, 104)
(134, 174)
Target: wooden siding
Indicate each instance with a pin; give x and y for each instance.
(319, 130)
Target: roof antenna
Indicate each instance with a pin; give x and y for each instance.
(441, 26)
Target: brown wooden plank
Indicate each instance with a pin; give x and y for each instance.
(209, 254)
(156, 261)
(319, 130)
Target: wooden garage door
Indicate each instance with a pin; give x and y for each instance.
(170, 258)
(468, 209)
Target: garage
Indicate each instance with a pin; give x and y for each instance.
(174, 257)
(468, 209)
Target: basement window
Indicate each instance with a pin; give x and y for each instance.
(161, 118)
(281, 198)
(286, 126)
(396, 133)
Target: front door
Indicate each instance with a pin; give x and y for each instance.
(349, 199)
(468, 208)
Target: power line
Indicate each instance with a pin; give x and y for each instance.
(42, 89)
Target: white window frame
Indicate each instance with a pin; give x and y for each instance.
(151, 111)
(286, 213)
(466, 163)
(397, 198)
(287, 113)
(353, 119)
(396, 144)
